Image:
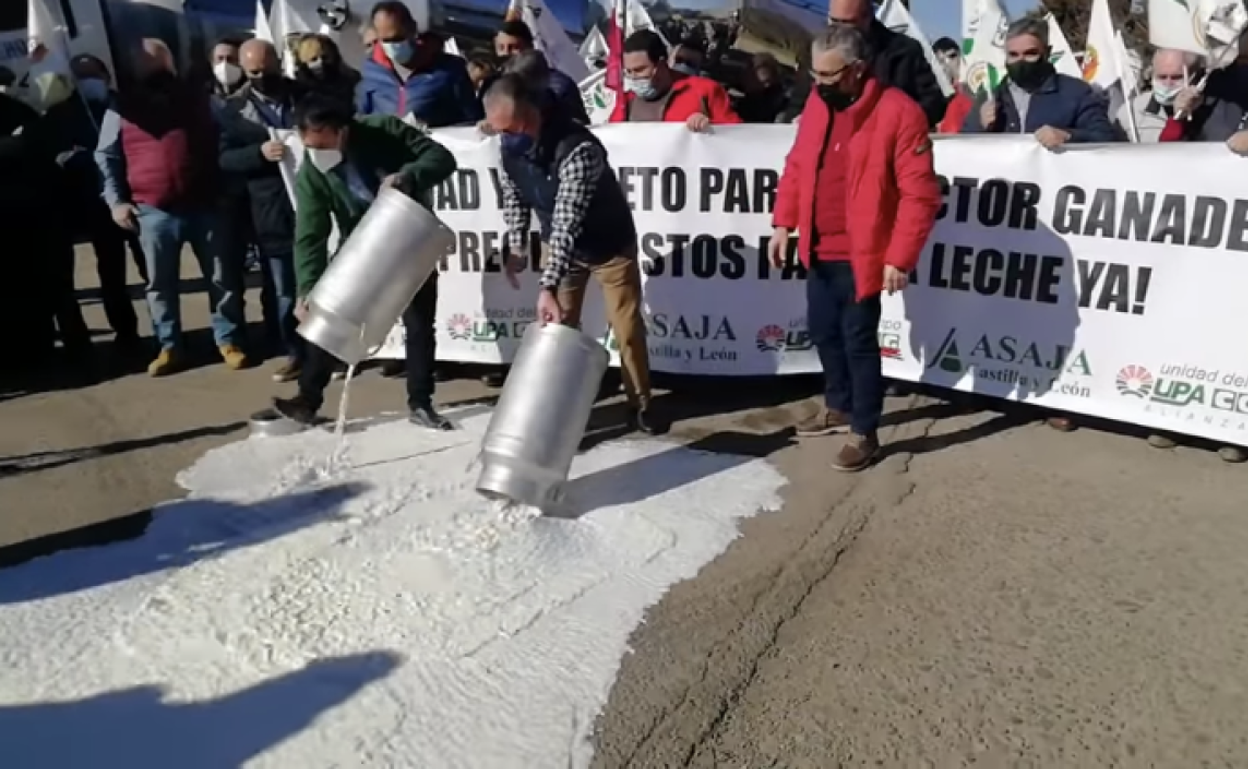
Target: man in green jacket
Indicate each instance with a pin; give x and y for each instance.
(348, 161)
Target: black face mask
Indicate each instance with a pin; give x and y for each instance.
(267, 84)
(836, 99)
(1029, 74)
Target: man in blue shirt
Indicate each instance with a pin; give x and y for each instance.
(406, 75)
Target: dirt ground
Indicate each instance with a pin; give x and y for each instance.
(992, 594)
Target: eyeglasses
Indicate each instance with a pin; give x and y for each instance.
(828, 77)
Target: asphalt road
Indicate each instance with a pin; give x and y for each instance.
(992, 594)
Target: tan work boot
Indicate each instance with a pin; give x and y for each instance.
(824, 423)
(289, 370)
(233, 356)
(858, 453)
(165, 363)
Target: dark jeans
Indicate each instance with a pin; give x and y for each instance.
(109, 242)
(419, 323)
(277, 302)
(846, 334)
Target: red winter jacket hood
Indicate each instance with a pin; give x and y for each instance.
(690, 95)
(893, 194)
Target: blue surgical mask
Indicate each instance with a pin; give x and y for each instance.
(516, 144)
(398, 52)
(643, 87)
(93, 89)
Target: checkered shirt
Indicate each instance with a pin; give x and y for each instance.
(578, 180)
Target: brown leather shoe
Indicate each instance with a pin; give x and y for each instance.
(857, 453)
(823, 423)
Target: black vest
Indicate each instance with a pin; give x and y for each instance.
(608, 230)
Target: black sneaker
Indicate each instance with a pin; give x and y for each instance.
(644, 420)
(428, 417)
(297, 409)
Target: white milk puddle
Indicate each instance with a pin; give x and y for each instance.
(385, 617)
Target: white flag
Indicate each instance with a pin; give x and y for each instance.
(550, 38)
(48, 81)
(894, 15)
(594, 46)
(599, 100)
(983, 44)
(1060, 55)
(1208, 28)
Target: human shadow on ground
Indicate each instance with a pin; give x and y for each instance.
(693, 397)
(999, 308)
(138, 728)
(16, 465)
(181, 533)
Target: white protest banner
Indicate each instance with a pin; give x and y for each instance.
(1077, 280)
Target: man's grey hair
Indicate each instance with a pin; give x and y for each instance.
(1037, 28)
(1190, 60)
(846, 40)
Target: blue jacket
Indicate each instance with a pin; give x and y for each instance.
(1062, 102)
(440, 95)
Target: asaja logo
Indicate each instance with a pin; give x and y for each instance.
(770, 338)
(982, 77)
(1013, 361)
(1091, 63)
(1134, 381)
(459, 326)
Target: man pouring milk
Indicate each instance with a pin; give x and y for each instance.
(349, 160)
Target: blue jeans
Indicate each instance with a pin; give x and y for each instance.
(162, 235)
(277, 301)
(845, 332)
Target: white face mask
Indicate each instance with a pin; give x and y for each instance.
(1165, 94)
(324, 160)
(227, 74)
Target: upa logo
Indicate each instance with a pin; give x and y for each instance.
(774, 338)
(770, 338)
(459, 326)
(1134, 381)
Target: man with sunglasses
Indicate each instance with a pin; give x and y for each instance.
(854, 134)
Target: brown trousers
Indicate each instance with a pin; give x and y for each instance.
(620, 279)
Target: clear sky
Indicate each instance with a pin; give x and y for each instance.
(943, 18)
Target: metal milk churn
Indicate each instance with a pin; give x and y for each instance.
(374, 276)
(541, 415)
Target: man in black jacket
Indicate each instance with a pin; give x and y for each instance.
(251, 154)
(37, 294)
(898, 61)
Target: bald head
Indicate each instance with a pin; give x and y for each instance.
(153, 60)
(259, 58)
(855, 12)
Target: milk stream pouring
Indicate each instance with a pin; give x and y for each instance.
(541, 415)
(374, 276)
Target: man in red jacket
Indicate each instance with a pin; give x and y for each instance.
(656, 93)
(854, 135)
